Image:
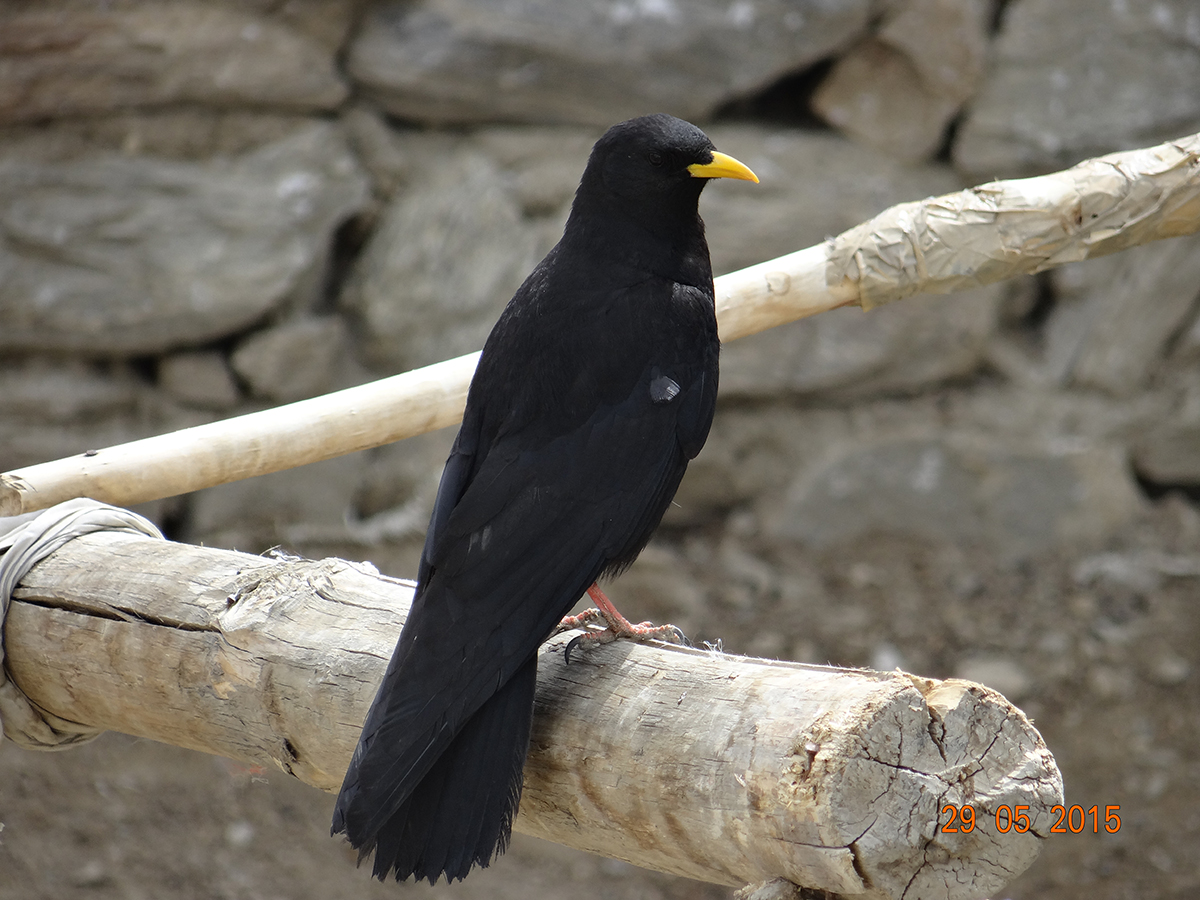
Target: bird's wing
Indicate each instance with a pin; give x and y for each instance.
(525, 538)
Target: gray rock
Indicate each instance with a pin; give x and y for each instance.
(1140, 573)
(128, 256)
(477, 212)
(53, 408)
(295, 360)
(1186, 349)
(200, 378)
(405, 474)
(42, 391)
(378, 148)
(1170, 670)
(813, 186)
(448, 254)
(849, 353)
(899, 89)
(77, 59)
(659, 587)
(1075, 78)
(886, 657)
(1169, 454)
(1116, 315)
(1000, 673)
(545, 164)
(1061, 418)
(379, 498)
(751, 456)
(24, 443)
(1015, 497)
(328, 22)
(258, 513)
(588, 62)
(189, 133)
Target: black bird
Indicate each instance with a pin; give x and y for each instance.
(594, 390)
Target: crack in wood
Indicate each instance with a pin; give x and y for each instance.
(101, 610)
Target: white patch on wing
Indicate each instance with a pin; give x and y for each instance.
(663, 389)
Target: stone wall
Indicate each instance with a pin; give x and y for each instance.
(209, 208)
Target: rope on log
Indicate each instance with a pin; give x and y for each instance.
(691, 762)
(24, 542)
(937, 245)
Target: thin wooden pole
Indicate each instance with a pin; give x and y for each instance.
(720, 768)
(937, 245)
(284, 437)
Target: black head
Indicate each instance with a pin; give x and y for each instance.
(654, 165)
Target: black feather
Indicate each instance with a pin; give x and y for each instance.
(594, 389)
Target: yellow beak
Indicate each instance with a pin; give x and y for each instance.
(723, 166)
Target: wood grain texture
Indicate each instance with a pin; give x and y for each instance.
(720, 768)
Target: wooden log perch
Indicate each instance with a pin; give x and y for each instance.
(719, 768)
(937, 245)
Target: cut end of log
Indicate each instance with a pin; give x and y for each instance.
(874, 793)
(838, 780)
(934, 783)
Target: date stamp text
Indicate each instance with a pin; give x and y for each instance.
(1070, 819)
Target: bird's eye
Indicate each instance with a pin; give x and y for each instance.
(656, 158)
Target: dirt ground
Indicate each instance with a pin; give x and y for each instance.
(1101, 653)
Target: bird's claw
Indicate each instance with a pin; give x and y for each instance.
(618, 626)
(677, 636)
(577, 640)
(645, 631)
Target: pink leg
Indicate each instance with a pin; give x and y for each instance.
(618, 625)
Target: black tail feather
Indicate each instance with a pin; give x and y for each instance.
(461, 812)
